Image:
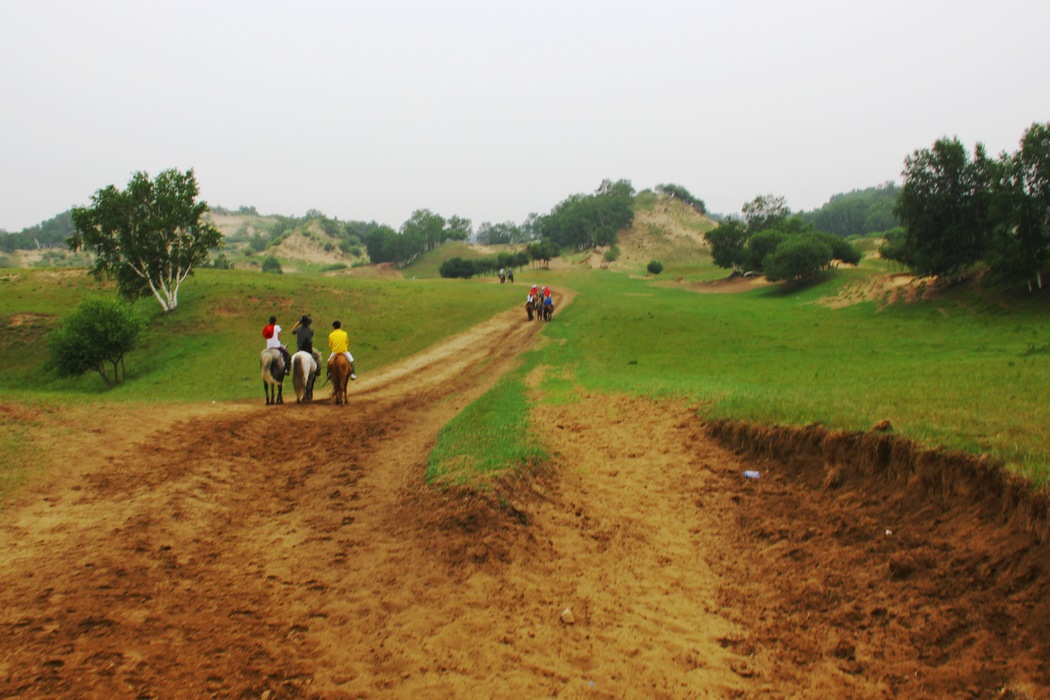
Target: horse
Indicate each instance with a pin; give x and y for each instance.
(530, 306)
(548, 311)
(271, 367)
(304, 373)
(339, 371)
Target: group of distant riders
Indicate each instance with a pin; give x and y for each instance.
(539, 303)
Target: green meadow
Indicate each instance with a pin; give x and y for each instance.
(966, 370)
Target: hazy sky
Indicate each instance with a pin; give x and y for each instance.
(491, 110)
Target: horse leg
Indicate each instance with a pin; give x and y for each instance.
(280, 394)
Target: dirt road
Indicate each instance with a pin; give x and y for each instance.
(238, 550)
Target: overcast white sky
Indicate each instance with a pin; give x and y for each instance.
(491, 110)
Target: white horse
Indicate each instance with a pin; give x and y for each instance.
(271, 367)
(304, 372)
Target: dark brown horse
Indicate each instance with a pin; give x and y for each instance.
(530, 307)
(339, 372)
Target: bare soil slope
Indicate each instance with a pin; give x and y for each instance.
(254, 552)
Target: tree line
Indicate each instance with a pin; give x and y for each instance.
(857, 213)
(959, 210)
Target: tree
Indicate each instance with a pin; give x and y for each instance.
(797, 259)
(498, 234)
(764, 212)
(424, 226)
(148, 237)
(1022, 246)
(457, 228)
(944, 207)
(542, 250)
(655, 267)
(727, 243)
(95, 336)
(760, 245)
(585, 221)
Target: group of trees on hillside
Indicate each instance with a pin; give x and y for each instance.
(772, 242)
(681, 193)
(585, 221)
(48, 234)
(857, 213)
(958, 210)
(423, 232)
(579, 222)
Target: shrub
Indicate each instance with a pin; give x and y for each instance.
(96, 334)
(655, 267)
(458, 268)
(796, 259)
(272, 264)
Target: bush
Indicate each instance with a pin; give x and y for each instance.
(458, 268)
(655, 267)
(272, 264)
(96, 334)
(796, 259)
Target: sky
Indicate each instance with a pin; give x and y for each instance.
(492, 109)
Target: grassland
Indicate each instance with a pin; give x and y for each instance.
(962, 371)
(966, 370)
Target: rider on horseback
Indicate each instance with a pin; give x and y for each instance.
(304, 337)
(339, 342)
(271, 332)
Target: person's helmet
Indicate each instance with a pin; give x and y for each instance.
(305, 321)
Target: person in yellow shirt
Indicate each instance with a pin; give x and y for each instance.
(339, 341)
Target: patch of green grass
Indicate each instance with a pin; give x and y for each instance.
(490, 436)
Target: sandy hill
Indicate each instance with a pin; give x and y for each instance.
(664, 229)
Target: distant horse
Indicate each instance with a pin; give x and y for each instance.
(304, 373)
(530, 306)
(502, 278)
(547, 312)
(510, 276)
(339, 371)
(271, 367)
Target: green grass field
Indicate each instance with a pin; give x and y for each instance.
(966, 370)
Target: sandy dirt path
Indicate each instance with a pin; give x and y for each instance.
(264, 552)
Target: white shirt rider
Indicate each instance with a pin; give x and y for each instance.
(273, 341)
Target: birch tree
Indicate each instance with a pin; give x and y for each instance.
(148, 237)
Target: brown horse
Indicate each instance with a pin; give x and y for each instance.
(530, 307)
(339, 371)
(271, 367)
